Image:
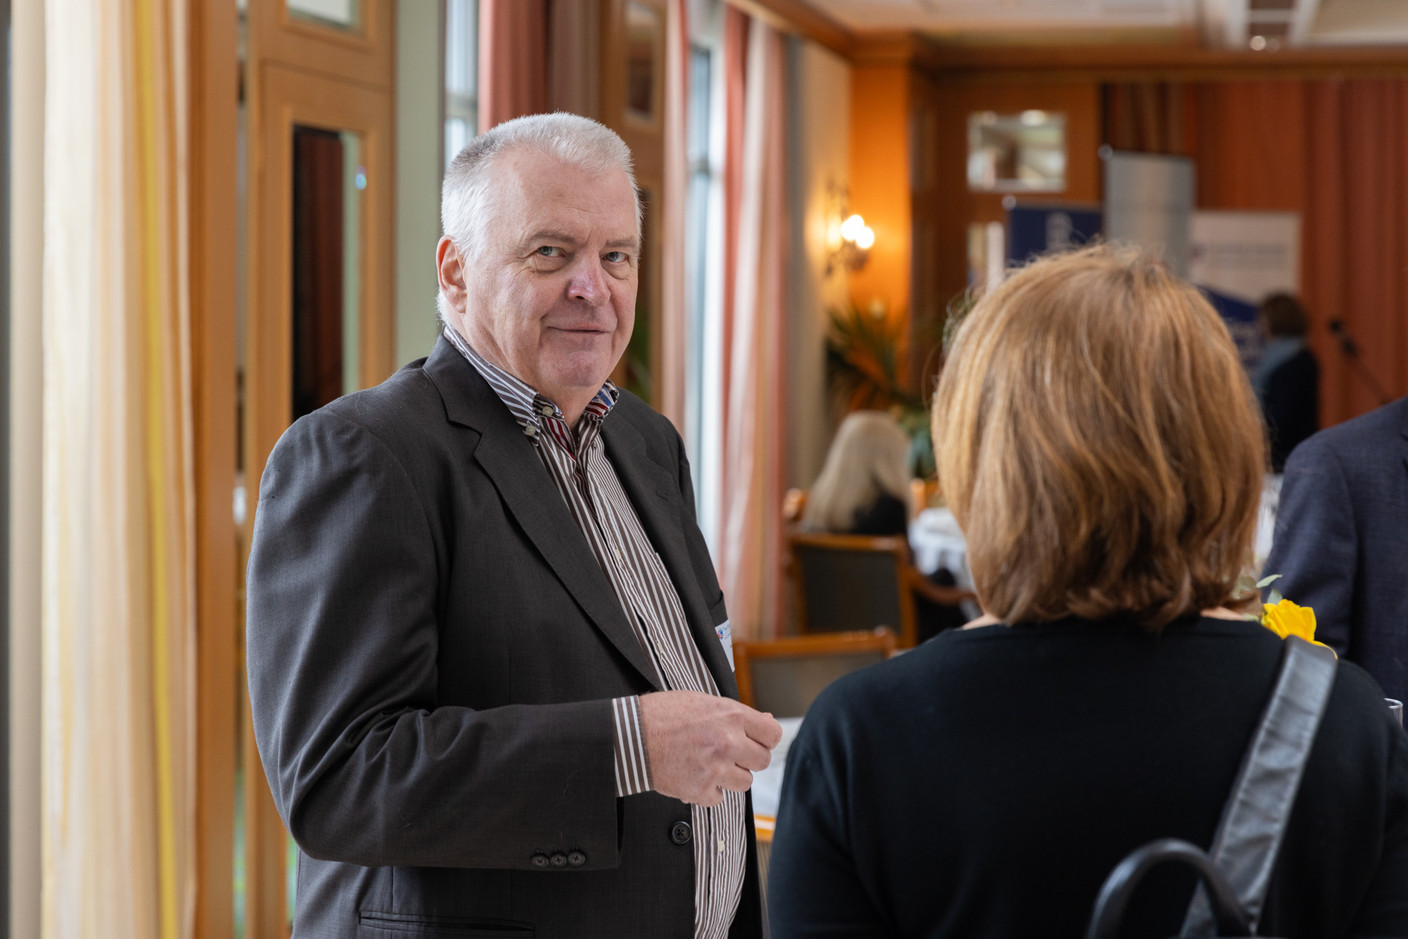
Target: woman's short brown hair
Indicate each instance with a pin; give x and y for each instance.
(1099, 443)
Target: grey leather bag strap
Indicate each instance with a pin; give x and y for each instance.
(1254, 818)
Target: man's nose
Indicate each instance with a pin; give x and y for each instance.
(589, 282)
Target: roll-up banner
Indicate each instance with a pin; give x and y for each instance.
(1237, 258)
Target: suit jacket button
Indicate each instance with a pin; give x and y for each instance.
(559, 859)
(680, 833)
(540, 860)
(576, 859)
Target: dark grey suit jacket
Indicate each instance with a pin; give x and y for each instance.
(1341, 541)
(432, 649)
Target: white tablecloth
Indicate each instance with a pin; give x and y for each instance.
(937, 542)
(767, 785)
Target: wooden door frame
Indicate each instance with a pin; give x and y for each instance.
(213, 122)
(287, 98)
(301, 73)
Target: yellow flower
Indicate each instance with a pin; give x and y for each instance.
(1285, 618)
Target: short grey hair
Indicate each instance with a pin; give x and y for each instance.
(468, 197)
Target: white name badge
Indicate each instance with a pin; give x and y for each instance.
(725, 633)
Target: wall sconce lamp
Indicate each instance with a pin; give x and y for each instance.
(848, 235)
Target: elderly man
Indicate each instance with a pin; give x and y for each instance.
(488, 657)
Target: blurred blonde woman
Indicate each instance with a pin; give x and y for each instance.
(1100, 444)
(864, 484)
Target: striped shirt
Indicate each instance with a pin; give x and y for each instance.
(576, 460)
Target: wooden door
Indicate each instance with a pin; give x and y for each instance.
(318, 319)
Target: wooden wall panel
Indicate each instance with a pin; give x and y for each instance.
(880, 184)
(1249, 149)
(944, 207)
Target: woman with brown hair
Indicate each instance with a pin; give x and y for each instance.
(1099, 443)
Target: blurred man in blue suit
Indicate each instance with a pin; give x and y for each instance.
(1342, 538)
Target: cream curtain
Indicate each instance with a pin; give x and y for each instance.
(117, 565)
(750, 549)
(674, 332)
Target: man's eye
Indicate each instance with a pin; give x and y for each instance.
(616, 257)
(549, 251)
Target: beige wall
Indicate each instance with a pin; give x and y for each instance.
(419, 49)
(821, 133)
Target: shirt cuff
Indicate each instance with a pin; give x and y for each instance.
(632, 769)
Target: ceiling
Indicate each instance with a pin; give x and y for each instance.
(1221, 24)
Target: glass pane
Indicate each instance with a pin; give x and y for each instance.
(697, 242)
(457, 133)
(461, 47)
(1023, 152)
(339, 14)
(328, 180)
(461, 100)
(291, 876)
(354, 175)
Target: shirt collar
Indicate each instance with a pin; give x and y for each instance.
(527, 405)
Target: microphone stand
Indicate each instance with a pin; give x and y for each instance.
(1351, 352)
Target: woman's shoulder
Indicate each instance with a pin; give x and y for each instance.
(995, 654)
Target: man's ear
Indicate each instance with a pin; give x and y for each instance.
(449, 269)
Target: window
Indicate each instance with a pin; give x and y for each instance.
(703, 284)
(461, 75)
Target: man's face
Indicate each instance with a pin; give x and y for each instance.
(551, 296)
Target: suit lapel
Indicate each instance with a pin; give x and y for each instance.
(509, 460)
(655, 493)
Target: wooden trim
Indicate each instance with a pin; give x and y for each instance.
(1100, 63)
(802, 19)
(646, 140)
(364, 57)
(618, 47)
(879, 639)
(213, 121)
(937, 593)
(287, 98)
(283, 97)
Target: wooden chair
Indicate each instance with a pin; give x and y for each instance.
(849, 582)
(783, 676)
(794, 503)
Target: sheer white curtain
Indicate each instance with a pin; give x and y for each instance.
(750, 546)
(118, 747)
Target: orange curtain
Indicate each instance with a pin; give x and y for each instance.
(755, 308)
(1356, 239)
(674, 333)
(1333, 150)
(513, 76)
